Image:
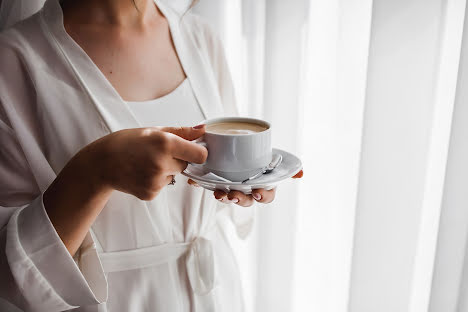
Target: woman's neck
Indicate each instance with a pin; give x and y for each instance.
(111, 12)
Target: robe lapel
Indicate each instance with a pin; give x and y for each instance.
(110, 106)
(195, 64)
(113, 111)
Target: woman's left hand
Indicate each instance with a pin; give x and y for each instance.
(241, 199)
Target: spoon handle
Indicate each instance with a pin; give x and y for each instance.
(276, 161)
(254, 176)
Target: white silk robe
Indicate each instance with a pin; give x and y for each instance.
(138, 256)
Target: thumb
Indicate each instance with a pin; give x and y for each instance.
(188, 133)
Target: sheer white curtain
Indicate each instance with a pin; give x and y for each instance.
(371, 95)
(289, 58)
(413, 69)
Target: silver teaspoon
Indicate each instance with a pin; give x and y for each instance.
(275, 161)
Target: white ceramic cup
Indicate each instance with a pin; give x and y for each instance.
(237, 157)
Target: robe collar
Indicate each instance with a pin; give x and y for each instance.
(180, 7)
(113, 110)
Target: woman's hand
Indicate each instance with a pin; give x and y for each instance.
(135, 161)
(143, 161)
(241, 199)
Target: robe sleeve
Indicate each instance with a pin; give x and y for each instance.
(37, 273)
(241, 217)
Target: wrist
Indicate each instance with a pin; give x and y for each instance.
(75, 199)
(89, 169)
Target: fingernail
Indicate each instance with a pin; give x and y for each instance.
(256, 196)
(235, 200)
(198, 127)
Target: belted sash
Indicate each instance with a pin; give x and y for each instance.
(199, 262)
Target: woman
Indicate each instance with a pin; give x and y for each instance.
(87, 218)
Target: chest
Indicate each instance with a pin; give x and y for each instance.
(141, 64)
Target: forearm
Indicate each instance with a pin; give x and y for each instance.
(75, 199)
(137, 161)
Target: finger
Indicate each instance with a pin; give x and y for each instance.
(221, 196)
(264, 196)
(240, 198)
(175, 166)
(188, 133)
(298, 175)
(192, 183)
(188, 151)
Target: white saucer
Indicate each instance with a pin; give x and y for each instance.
(289, 167)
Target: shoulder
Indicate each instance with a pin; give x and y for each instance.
(18, 53)
(17, 40)
(197, 23)
(210, 45)
(12, 58)
(26, 47)
(10, 55)
(201, 31)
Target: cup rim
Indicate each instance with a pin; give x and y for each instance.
(237, 119)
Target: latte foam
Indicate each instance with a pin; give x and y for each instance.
(235, 128)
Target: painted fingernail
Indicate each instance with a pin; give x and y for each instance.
(198, 127)
(235, 200)
(256, 196)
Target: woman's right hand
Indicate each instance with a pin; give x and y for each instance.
(143, 161)
(135, 161)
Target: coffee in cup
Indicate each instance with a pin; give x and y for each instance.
(235, 127)
(238, 147)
